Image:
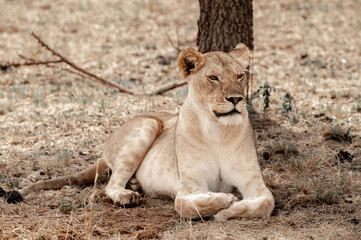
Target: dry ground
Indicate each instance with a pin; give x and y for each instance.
(53, 123)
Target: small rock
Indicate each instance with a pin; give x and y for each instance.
(266, 155)
(344, 155)
(304, 55)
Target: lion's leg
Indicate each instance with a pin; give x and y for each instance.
(257, 200)
(135, 145)
(201, 205)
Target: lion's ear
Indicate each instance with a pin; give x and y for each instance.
(188, 60)
(241, 54)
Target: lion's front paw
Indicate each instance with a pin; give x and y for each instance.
(224, 214)
(220, 216)
(124, 196)
(233, 197)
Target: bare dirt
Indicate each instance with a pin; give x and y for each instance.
(53, 123)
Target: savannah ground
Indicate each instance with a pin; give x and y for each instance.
(53, 123)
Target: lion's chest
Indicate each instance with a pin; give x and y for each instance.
(207, 166)
(217, 161)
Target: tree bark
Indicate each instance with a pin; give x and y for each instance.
(223, 24)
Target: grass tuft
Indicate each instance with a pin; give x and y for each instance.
(338, 134)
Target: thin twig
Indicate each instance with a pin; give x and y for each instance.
(70, 71)
(76, 67)
(167, 87)
(251, 75)
(178, 44)
(91, 200)
(174, 45)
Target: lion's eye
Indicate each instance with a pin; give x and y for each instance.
(240, 77)
(213, 78)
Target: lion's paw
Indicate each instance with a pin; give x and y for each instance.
(223, 214)
(220, 216)
(124, 196)
(134, 184)
(233, 197)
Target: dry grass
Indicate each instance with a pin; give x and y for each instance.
(53, 123)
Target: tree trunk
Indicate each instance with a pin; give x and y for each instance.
(223, 24)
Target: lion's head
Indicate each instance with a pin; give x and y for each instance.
(217, 82)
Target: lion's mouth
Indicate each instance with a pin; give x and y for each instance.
(234, 111)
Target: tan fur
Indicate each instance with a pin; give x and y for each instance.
(198, 157)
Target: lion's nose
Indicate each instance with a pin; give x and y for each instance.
(234, 100)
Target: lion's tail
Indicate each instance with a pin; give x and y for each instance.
(84, 177)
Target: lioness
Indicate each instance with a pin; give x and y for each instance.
(197, 157)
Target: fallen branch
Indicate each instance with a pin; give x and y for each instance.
(76, 67)
(82, 72)
(167, 87)
(6, 66)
